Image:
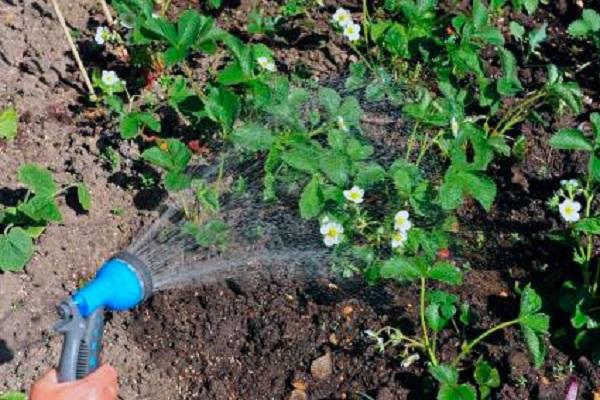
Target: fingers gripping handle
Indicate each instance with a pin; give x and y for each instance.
(82, 344)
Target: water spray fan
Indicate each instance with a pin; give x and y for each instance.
(120, 284)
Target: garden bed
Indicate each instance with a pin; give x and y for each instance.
(278, 337)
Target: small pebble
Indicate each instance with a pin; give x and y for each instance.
(322, 367)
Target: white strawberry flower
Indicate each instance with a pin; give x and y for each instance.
(402, 221)
(332, 233)
(398, 239)
(355, 195)
(352, 32)
(342, 17)
(266, 63)
(110, 78)
(103, 35)
(569, 210)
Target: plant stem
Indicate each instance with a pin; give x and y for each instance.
(430, 351)
(165, 7)
(364, 59)
(411, 139)
(469, 346)
(84, 73)
(107, 14)
(517, 113)
(365, 23)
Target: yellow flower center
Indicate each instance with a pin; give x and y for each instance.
(569, 210)
(354, 195)
(332, 232)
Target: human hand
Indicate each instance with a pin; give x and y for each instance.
(99, 385)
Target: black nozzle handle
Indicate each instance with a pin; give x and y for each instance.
(82, 343)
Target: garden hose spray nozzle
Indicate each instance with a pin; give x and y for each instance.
(120, 284)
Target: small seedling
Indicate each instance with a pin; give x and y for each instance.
(8, 123)
(27, 220)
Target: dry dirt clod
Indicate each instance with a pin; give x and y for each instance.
(300, 381)
(597, 395)
(333, 339)
(298, 395)
(322, 367)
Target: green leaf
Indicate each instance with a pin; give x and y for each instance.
(491, 35)
(446, 272)
(486, 377)
(595, 120)
(436, 318)
(358, 151)
(84, 197)
(570, 139)
(176, 181)
(369, 175)
(531, 5)
(132, 122)
(539, 323)
(174, 55)
(172, 155)
(41, 208)
(356, 78)
(232, 74)
(445, 374)
(9, 120)
(531, 302)
(252, 136)
(188, 28)
(517, 30)
(222, 106)
(535, 345)
(480, 14)
(304, 158)
(16, 249)
(13, 396)
(592, 17)
(336, 166)
(589, 225)
(211, 233)
(311, 200)
(594, 167)
(330, 100)
(351, 112)
(401, 269)
(508, 84)
(466, 315)
(537, 36)
(579, 28)
(457, 392)
(37, 179)
(457, 184)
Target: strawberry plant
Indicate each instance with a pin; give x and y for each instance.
(587, 27)
(28, 219)
(13, 396)
(574, 201)
(8, 123)
(198, 198)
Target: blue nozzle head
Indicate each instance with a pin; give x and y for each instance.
(120, 284)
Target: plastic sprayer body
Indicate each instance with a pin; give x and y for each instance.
(120, 284)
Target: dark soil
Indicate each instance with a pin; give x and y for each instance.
(234, 340)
